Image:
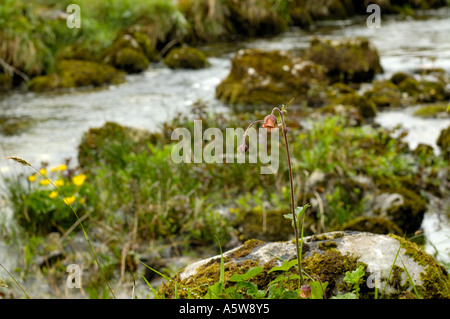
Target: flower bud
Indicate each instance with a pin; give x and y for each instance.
(305, 291)
(243, 148)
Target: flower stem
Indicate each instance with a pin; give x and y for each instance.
(296, 230)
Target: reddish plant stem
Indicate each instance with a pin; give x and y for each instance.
(284, 129)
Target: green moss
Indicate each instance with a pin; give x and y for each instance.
(327, 245)
(186, 58)
(77, 52)
(443, 142)
(131, 51)
(384, 94)
(353, 60)
(399, 77)
(432, 110)
(76, 73)
(246, 248)
(409, 215)
(270, 78)
(329, 236)
(130, 60)
(330, 267)
(436, 280)
(43, 83)
(423, 150)
(376, 225)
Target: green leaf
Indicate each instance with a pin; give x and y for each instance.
(354, 277)
(249, 274)
(287, 264)
(317, 289)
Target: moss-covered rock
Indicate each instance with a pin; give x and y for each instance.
(76, 73)
(432, 111)
(406, 208)
(435, 279)
(443, 142)
(131, 51)
(328, 258)
(186, 58)
(350, 60)
(384, 94)
(270, 78)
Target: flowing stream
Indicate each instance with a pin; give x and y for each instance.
(55, 121)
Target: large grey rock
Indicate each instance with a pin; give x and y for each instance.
(378, 252)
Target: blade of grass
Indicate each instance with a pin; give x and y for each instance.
(17, 283)
(392, 267)
(410, 279)
(169, 279)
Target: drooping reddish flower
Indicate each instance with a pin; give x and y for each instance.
(270, 122)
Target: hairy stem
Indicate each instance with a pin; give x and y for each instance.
(296, 230)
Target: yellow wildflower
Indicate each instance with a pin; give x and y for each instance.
(53, 194)
(79, 179)
(69, 200)
(43, 171)
(61, 168)
(44, 182)
(32, 178)
(59, 183)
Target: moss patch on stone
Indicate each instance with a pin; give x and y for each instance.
(186, 58)
(436, 280)
(352, 60)
(443, 142)
(270, 78)
(76, 73)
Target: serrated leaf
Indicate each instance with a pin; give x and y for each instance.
(353, 277)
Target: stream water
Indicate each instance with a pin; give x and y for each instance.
(56, 121)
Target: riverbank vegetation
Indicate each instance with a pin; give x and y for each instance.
(36, 39)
